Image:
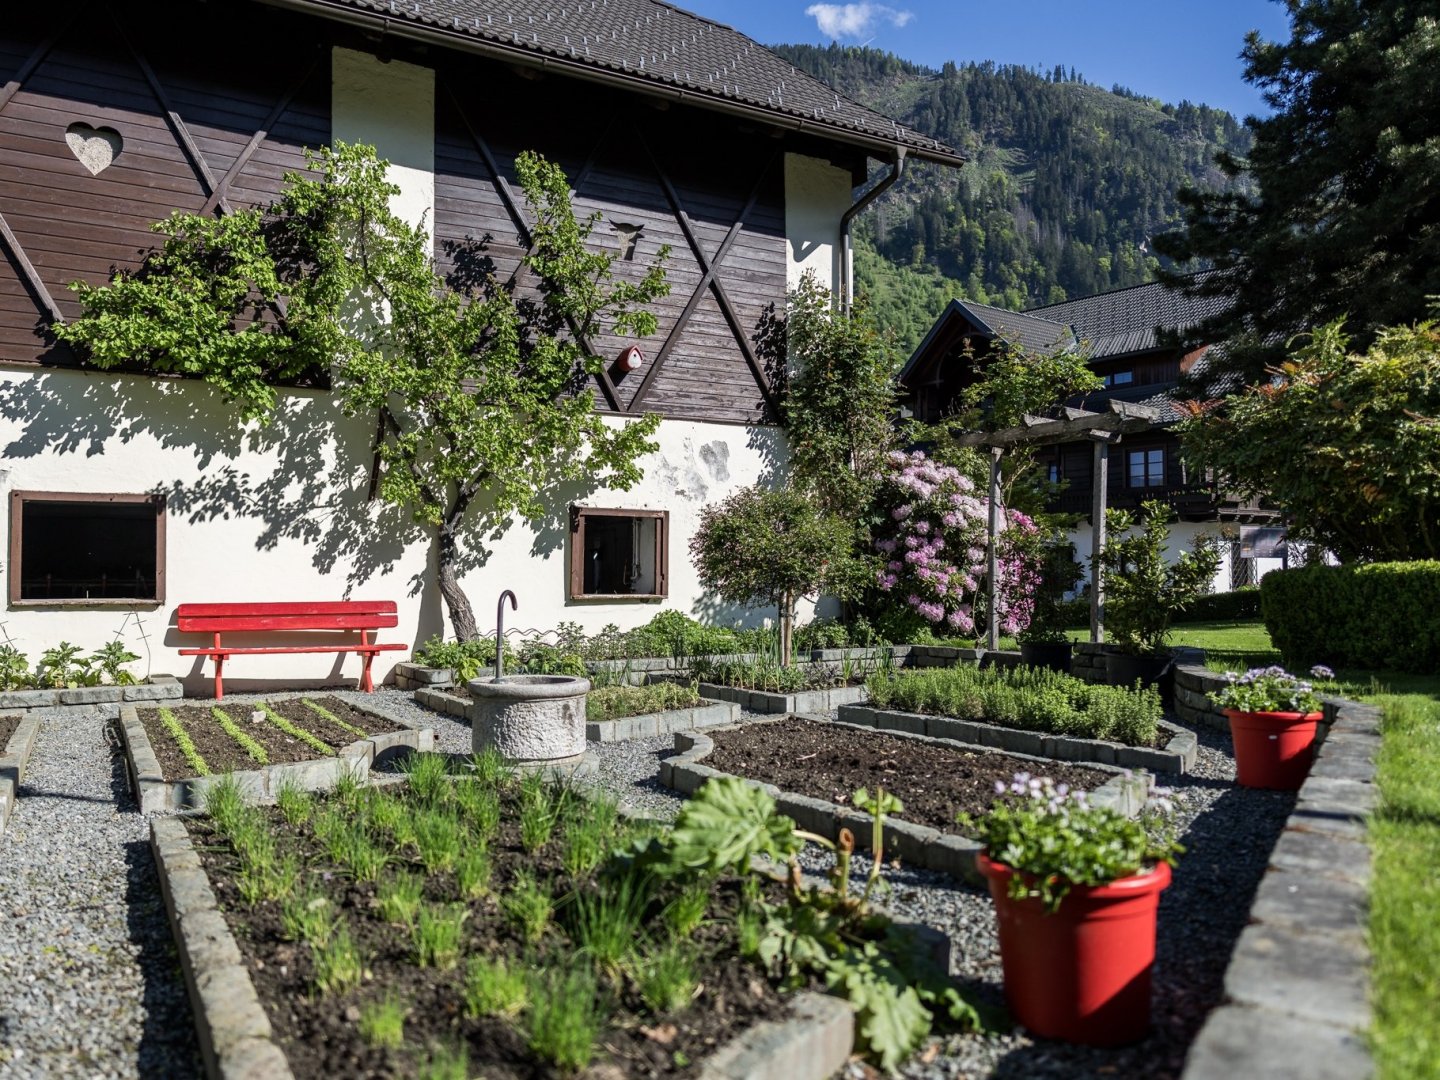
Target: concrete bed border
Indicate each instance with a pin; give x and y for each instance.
(1297, 1001)
(803, 701)
(707, 714)
(237, 1041)
(155, 688)
(13, 759)
(920, 845)
(156, 794)
(1178, 756)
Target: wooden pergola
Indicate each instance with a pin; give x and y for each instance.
(1103, 428)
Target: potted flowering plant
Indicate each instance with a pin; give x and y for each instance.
(1273, 717)
(1076, 887)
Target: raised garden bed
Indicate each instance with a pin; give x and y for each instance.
(385, 931)
(802, 701)
(812, 766)
(1175, 753)
(107, 698)
(17, 741)
(175, 754)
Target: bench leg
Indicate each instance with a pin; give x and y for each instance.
(366, 683)
(219, 677)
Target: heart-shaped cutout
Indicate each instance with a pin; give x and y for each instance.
(95, 148)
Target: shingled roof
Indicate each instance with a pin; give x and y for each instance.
(1125, 320)
(649, 46)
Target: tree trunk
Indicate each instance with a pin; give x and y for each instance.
(787, 627)
(461, 614)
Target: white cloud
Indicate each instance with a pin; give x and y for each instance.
(855, 20)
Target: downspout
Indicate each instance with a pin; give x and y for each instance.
(846, 290)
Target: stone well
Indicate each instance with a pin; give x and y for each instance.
(529, 718)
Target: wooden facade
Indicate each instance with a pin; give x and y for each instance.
(208, 113)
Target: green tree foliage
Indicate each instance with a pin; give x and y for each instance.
(764, 546)
(1346, 444)
(1066, 183)
(1143, 593)
(480, 393)
(840, 399)
(1347, 219)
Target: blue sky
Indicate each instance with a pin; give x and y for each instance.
(1169, 49)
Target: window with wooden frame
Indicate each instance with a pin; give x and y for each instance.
(619, 553)
(1146, 468)
(76, 548)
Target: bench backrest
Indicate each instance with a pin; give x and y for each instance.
(325, 615)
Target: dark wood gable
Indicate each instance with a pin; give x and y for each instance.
(711, 192)
(201, 124)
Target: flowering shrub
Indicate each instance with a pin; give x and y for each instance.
(1271, 689)
(1055, 838)
(933, 544)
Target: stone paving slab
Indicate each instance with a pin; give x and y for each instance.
(1238, 1042)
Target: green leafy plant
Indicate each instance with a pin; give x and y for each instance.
(1055, 839)
(438, 837)
(439, 934)
(399, 897)
(429, 777)
(309, 918)
(350, 844)
(60, 667)
(325, 714)
(565, 1017)
(479, 806)
(538, 813)
(310, 739)
(491, 769)
(186, 745)
(295, 803)
(108, 662)
(253, 750)
(1143, 593)
(686, 910)
(14, 669)
(1270, 689)
(528, 906)
(447, 1063)
(666, 977)
(382, 1023)
(473, 870)
(588, 834)
(606, 921)
(616, 702)
(339, 963)
(494, 988)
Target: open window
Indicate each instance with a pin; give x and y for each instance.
(71, 548)
(619, 553)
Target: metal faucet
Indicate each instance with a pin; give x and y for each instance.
(500, 631)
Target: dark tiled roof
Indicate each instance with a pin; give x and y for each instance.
(650, 45)
(1125, 320)
(1019, 328)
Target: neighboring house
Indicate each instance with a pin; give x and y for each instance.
(1120, 335)
(130, 494)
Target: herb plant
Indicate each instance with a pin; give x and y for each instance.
(14, 668)
(1056, 839)
(308, 738)
(1270, 689)
(253, 750)
(382, 1023)
(188, 751)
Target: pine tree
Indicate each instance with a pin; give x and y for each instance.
(1347, 218)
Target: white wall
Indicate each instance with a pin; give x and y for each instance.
(390, 106)
(1181, 535)
(817, 193)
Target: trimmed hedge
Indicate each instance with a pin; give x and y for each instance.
(1384, 616)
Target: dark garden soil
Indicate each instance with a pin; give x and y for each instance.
(8, 724)
(321, 1035)
(223, 754)
(829, 761)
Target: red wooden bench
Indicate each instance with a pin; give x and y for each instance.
(217, 619)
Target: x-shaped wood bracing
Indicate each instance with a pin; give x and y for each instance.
(215, 190)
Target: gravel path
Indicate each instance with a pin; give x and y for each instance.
(89, 982)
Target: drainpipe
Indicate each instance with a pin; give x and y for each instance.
(846, 290)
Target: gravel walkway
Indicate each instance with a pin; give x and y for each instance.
(89, 982)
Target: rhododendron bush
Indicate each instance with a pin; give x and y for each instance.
(932, 542)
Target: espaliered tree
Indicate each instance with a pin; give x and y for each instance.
(480, 391)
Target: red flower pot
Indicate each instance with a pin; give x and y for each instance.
(1081, 975)
(1273, 749)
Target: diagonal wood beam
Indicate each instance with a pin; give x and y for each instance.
(37, 58)
(709, 266)
(177, 125)
(32, 276)
(512, 206)
(741, 338)
(217, 196)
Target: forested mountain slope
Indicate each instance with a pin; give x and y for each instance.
(1067, 182)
